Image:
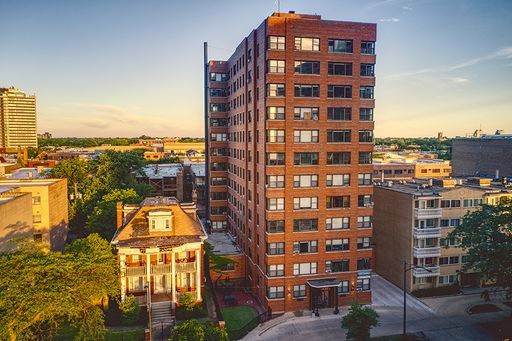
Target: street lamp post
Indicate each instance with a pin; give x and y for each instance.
(406, 269)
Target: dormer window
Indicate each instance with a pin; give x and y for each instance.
(160, 220)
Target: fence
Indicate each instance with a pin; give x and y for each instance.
(237, 334)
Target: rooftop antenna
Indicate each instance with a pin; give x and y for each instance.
(278, 6)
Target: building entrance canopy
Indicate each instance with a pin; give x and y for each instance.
(323, 283)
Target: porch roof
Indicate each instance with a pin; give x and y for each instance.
(323, 283)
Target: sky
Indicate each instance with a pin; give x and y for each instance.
(127, 68)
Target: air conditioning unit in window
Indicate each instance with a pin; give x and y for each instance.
(327, 271)
(295, 252)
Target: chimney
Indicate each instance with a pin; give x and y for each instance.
(119, 207)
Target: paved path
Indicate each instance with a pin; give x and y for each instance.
(437, 320)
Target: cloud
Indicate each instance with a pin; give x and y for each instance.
(407, 8)
(502, 53)
(376, 4)
(389, 20)
(458, 80)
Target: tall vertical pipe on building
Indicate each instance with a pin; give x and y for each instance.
(206, 138)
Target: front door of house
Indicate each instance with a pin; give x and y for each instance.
(159, 287)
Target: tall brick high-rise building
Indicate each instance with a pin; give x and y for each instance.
(289, 142)
(17, 119)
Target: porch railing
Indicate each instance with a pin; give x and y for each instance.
(135, 271)
(160, 269)
(186, 267)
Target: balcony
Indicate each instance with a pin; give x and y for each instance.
(430, 232)
(186, 267)
(423, 252)
(136, 271)
(420, 272)
(160, 269)
(426, 213)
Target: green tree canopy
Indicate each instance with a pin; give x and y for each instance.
(486, 235)
(358, 322)
(41, 290)
(193, 330)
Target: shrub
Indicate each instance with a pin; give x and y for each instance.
(130, 310)
(359, 321)
(187, 302)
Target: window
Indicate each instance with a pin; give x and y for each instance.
(219, 196)
(364, 221)
(366, 114)
(454, 260)
(343, 287)
(275, 90)
(305, 136)
(275, 204)
(304, 269)
(365, 136)
(275, 270)
(338, 136)
(340, 46)
(464, 259)
(219, 225)
(276, 66)
(339, 69)
(307, 44)
(275, 181)
(342, 223)
(275, 136)
(367, 70)
(218, 77)
(364, 264)
(339, 91)
(448, 242)
(337, 266)
(364, 200)
(309, 246)
(275, 292)
(366, 92)
(275, 226)
(304, 159)
(36, 200)
(341, 201)
(276, 43)
(448, 279)
(275, 248)
(299, 290)
(305, 113)
(365, 158)
(302, 225)
(218, 92)
(275, 159)
(368, 47)
(305, 203)
(305, 181)
(36, 218)
(219, 137)
(275, 113)
(363, 284)
(307, 67)
(364, 243)
(364, 179)
(337, 244)
(338, 158)
(339, 114)
(335, 180)
(218, 107)
(450, 203)
(307, 90)
(135, 284)
(218, 122)
(228, 267)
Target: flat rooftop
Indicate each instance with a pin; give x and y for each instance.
(29, 182)
(160, 171)
(223, 244)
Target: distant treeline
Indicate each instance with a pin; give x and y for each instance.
(441, 147)
(84, 142)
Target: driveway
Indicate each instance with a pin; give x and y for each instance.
(429, 316)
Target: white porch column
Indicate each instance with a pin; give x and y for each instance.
(148, 270)
(173, 275)
(198, 275)
(122, 268)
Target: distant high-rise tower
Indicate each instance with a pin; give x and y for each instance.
(17, 119)
(290, 141)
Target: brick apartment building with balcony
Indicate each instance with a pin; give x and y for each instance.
(289, 174)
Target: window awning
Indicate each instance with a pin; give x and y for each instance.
(323, 283)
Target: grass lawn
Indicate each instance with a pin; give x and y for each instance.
(237, 317)
(129, 334)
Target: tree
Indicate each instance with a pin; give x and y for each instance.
(216, 263)
(486, 235)
(130, 310)
(193, 330)
(359, 321)
(41, 290)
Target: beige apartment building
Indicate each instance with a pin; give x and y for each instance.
(49, 208)
(18, 124)
(412, 221)
(15, 217)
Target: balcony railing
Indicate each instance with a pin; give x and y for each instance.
(160, 269)
(420, 272)
(136, 271)
(425, 213)
(422, 252)
(186, 267)
(430, 232)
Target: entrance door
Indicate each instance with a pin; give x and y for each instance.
(159, 285)
(322, 298)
